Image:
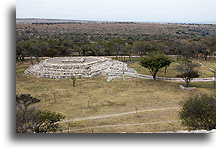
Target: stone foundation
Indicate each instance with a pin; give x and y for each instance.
(73, 60)
(80, 67)
(187, 88)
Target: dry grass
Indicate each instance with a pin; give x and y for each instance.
(96, 96)
(209, 63)
(115, 28)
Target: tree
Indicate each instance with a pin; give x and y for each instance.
(36, 50)
(186, 68)
(184, 48)
(96, 49)
(52, 45)
(108, 48)
(188, 76)
(20, 51)
(154, 62)
(209, 44)
(200, 48)
(43, 47)
(142, 47)
(29, 50)
(24, 112)
(46, 121)
(128, 50)
(73, 78)
(199, 113)
(117, 45)
(28, 119)
(84, 49)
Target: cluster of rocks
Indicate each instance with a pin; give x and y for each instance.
(80, 67)
(73, 60)
(186, 88)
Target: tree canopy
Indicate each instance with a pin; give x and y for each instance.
(199, 113)
(28, 119)
(154, 62)
(186, 69)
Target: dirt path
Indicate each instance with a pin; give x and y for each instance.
(119, 114)
(122, 125)
(210, 79)
(142, 76)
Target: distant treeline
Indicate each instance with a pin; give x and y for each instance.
(193, 24)
(30, 42)
(190, 48)
(51, 23)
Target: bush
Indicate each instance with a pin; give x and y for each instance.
(199, 113)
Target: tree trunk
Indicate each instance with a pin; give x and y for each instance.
(117, 49)
(31, 60)
(205, 58)
(165, 70)
(186, 83)
(23, 58)
(37, 59)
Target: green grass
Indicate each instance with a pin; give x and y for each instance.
(95, 96)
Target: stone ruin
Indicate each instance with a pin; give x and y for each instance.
(73, 60)
(187, 88)
(80, 67)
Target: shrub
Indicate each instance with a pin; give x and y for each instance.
(199, 113)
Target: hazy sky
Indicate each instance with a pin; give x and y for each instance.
(120, 10)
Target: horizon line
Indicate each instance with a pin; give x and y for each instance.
(90, 20)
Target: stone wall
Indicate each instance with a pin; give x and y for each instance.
(100, 66)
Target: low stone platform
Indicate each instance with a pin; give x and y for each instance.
(80, 67)
(187, 88)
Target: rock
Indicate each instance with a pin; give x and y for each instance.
(80, 67)
(187, 88)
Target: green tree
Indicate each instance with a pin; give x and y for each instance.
(117, 44)
(43, 47)
(29, 50)
(28, 119)
(128, 50)
(52, 48)
(199, 113)
(46, 121)
(84, 49)
(154, 62)
(73, 78)
(24, 112)
(186, 68)
(142, 47)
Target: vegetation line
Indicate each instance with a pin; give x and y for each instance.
(119, 125)
(120, 114)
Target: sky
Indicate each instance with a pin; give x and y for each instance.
(187, 11)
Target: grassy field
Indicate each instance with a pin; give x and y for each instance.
(95, 96)
(209, 63)
(171, 72)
